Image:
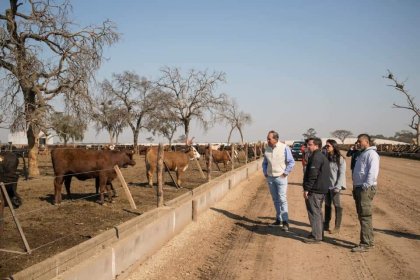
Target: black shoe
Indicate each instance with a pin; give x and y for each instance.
(275, 224)
(285, 226)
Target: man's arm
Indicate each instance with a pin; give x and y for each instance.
(264, 166)
(290, 161)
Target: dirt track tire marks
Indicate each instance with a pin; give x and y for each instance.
(235, 257)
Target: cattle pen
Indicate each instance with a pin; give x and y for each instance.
(53, 229)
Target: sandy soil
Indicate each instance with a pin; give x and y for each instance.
(233, 240)
(51, 229)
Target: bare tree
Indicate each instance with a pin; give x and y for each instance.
(311, 132)
(234, 117)
(192, 95)
(44, 54)
(136, 97)
(341, 134)
(411, 106)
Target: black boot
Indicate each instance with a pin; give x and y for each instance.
(338, 217)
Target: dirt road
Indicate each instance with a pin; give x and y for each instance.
(233, 240)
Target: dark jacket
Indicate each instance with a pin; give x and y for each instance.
(316, 178)
(354, 154)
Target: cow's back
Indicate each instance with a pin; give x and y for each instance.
(67, 161)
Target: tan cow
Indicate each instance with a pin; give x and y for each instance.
(175, 161)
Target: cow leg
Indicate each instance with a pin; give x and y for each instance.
(110, 191)
(178, 178)
(114, 192)
(16, 200)
(67, 182)
(102, 188)
(97, 185)
(149, 174)
(11, 191)
(58, 182)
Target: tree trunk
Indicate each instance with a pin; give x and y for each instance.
(187, 129)
(418, 134)
(242, 136)
(230, 134)
(33, 141)
(136, 140)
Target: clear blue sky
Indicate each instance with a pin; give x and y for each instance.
(292, 65)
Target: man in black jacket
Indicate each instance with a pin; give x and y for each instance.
(315, 186)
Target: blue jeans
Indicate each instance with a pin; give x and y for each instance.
(278, 190)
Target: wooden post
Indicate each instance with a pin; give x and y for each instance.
(125, 187)
(199, 168)
(209, 162)
(246, 153)
(159, 190)
(232, 152)
(169, 172)
(255, 151)
(22, 235)
(1, 213)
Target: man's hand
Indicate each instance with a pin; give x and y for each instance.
(305, 194)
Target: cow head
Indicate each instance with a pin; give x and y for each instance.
(129, 160)
(192, 153)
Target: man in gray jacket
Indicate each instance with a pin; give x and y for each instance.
(365, 175)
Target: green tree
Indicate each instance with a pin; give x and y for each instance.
(68, 127)
(404, 136)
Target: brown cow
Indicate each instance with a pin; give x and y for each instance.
(87, 164)
(175, 161)
(219, 157)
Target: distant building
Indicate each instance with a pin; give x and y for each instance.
(19, 138)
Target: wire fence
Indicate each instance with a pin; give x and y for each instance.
(28, 213)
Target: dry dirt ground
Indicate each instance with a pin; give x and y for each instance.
(233, 240)
(52, 229)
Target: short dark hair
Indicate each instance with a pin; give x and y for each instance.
(275, 134)
(317, 141)
(366, 137)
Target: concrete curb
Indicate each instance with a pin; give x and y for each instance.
(110, 254)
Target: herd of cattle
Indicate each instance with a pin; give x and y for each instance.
(86, 164)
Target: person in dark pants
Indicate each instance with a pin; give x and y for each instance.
(337, 183)
(365, 175)
(354, 153)
(315, 187)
